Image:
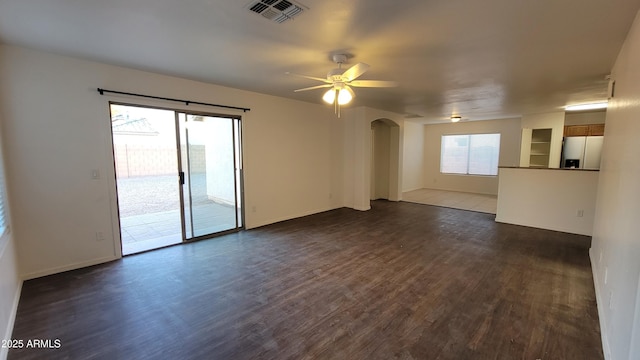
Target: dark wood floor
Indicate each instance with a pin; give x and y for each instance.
(402, 281)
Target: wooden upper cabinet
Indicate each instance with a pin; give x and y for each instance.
(596, 130)
(584, 130)
(576, 130)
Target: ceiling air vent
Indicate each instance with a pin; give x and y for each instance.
(276, 10)
(282, 5)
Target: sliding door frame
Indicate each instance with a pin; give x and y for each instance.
(238, 173)
(238, 168)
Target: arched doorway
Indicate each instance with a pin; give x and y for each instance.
(384, 160)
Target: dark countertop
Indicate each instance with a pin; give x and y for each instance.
(543, 168)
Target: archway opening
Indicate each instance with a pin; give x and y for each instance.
(384, 162)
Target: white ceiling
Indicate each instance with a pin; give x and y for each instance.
(480, 59)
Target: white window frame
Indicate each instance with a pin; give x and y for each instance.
(443, 170)
(4, 210)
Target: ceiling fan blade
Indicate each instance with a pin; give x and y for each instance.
(356, 70)
(373, 83)
(314, 87)
(309, 77)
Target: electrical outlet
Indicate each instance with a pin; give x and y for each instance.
(95, 174)
(253, 209)
(99, 236)
(580, 213)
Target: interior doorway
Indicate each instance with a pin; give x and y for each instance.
(380, 160)
(178, 175)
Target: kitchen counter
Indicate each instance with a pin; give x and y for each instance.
(561, 200)
(543, 168)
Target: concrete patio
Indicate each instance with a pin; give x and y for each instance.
(150, 212)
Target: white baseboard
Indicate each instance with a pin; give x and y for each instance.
(289, 217)
(51, 271)
(4, 352)
(566, 229)
(362, 208)
(600, 303)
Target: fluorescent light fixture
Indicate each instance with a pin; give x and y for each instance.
(455, 118)
(591, 106)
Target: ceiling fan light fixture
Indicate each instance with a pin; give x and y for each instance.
(339, 82)
(330, 96)
(345, 95)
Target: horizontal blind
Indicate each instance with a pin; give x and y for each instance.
(484, 153)
(454, 158)
(3, 205)
(470, 154)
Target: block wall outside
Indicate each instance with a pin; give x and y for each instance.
(152, 160)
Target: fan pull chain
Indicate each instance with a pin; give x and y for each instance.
(335, 102)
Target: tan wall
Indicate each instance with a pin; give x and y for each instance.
(615, 251)
(293, 160)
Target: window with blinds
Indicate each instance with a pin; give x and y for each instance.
(3, 227)
(3, 205)
(4, 211)
(473, 154)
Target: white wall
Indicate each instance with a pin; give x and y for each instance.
(413, 160)
(57, 129)
(219, 157)
(615, 252)
(548, 199)
(585, 118)
(356, 123)
(509, 130)
(553, 121)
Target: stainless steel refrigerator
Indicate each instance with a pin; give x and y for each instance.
(582, 152)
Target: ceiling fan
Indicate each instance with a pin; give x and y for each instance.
(340, 81)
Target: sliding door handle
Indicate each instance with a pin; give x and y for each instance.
(181, 175)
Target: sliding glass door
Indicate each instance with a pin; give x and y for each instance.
(146, 163)
(211, 171)
(179, 175)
